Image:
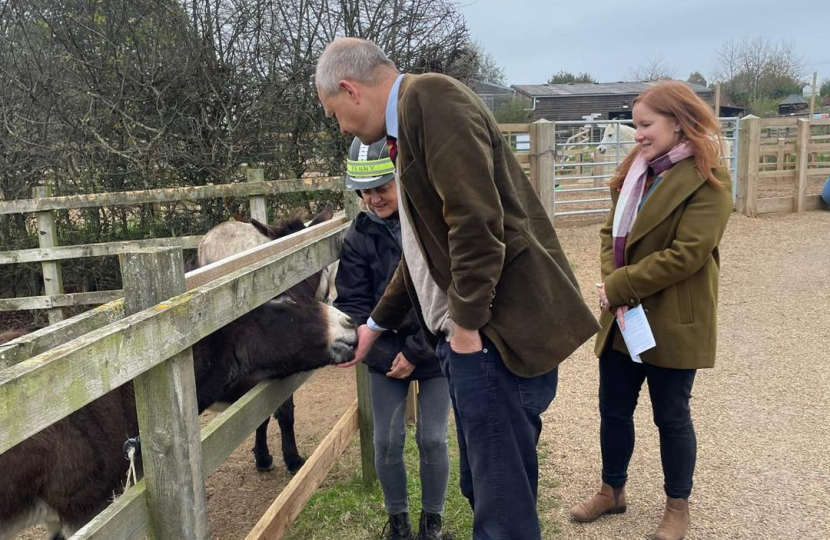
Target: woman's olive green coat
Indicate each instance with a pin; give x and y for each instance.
(671, 267)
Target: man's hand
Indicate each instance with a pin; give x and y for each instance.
(366, 337)
(466, 341)
(401, 368)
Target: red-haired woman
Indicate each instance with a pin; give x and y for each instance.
(671, 201)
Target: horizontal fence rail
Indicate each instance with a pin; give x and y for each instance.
(242, 189)
(49, 254)
(103, 249)
(79, 371)
(127, 518)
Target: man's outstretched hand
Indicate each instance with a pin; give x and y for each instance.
(366, 337)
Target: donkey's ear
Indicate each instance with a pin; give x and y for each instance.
(325, 215)
(264, 230)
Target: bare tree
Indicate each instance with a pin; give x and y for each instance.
(756, 68)
(654, 69)
(112, 95)
(696, 77)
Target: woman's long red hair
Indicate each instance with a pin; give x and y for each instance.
(698, 125)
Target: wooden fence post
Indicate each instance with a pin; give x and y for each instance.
(351, 204)
(542, 160)
(259, 210)
(364, 395)
(47, 237)
(802, 142)
(367, 425)
(779, 157)
(749, 151)
(412, 404)
(168, 415)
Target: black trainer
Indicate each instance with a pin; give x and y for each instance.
(429, 527)
(398, 527)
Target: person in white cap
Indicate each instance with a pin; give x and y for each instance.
(371, 252)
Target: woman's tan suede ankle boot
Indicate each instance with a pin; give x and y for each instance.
(607, 501)
(675, 520)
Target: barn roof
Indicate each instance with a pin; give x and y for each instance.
(794, 99)
(482, 86)
(585, 89)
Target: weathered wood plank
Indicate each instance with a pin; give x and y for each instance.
(778, 122)
(230, 429)
(42, 340)
(282, 513)
(241, 189)
(743, 168)
(775, 150)
(769, 205)
(813, 202)
(209, 272)
(801, 163)
(521, 128)
(125, 519)
(786, 174)
(819, 171)
(412, 404)
(47, 237)
(168, 412)
(753, 127)
(819, 147)
(367, 425)
(75, 373)
(259, 211)
(103, 249)
(61, 300)
(542, 160)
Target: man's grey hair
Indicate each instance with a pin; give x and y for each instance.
(352, 59)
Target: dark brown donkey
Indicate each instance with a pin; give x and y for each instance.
(233, 237)
(67, 473)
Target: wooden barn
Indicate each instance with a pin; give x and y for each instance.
(493, 95)
(793, 105)
(574, 101)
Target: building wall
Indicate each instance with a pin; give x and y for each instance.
(574, 107)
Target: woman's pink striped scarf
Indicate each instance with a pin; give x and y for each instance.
(631, 194)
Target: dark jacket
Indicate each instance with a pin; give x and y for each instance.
(369, 256)
(671, 268)
(483, 231)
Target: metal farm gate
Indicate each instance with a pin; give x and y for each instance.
(587, 152)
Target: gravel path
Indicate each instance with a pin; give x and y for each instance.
(761, 415)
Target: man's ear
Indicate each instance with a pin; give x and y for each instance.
(351, 89)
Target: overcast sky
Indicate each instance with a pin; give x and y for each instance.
(532, 39)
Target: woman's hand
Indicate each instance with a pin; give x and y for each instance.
(620, 313)
(401, 368)
(603, 298)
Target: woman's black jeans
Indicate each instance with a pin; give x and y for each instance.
(620, 380)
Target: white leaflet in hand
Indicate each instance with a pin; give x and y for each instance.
(637, 334)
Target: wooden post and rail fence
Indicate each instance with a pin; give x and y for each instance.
(791, 161)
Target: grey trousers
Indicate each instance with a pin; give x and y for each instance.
(389, 412)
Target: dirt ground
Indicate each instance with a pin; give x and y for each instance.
(763, 470)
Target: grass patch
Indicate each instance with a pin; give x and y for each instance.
(343, 508)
